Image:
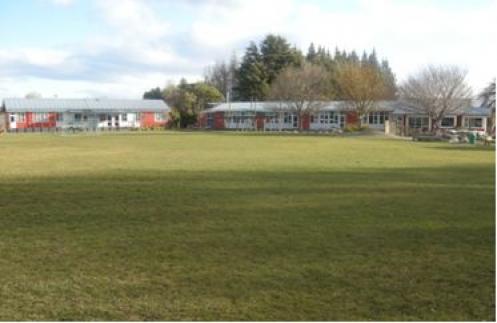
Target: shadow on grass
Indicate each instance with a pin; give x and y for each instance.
(374, 244)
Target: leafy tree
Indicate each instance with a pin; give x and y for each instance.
(187, 100)
(155, 93)
(205, 94)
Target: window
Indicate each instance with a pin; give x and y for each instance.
(418, 122)
(210, 120)
(272, 118)
(473, 122)
(102, 117)
(448, 122)
(288, 117)
(159, 116)
(40, 116)
(329, 118)
(77, 117)
(376, 118)
(124, 117)
(324, 118)
(60, 117)
(21, 117)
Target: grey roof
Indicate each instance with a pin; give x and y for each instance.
(473, 108)
(97, 105)
(270, 106)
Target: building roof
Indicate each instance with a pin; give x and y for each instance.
(271, 106)
(96, 105)
(474, 107)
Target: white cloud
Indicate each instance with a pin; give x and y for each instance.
(143, 46)
(63, 3)
(409, 34)
(133, 18)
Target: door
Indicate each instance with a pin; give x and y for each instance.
(13, 121)
(295, 121)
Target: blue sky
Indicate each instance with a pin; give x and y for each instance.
(120, 48)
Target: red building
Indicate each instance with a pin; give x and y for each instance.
(26, 114)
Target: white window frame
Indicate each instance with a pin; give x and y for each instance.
(40, 116)
(159, 116)
(376, 118)
(20, 117)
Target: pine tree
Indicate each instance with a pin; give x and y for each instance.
(311, 54)
(276, 55)
(373, 60)
(389, 79)
(353, 58)
(252, 77)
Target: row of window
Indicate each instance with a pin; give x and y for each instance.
(375, 118)
(78, 117)
(448, 122)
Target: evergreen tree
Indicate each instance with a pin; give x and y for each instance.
(373, 60)
(353, 58)
(276, 55)
(388, 79)
(155, 93)
(364, 58)
(311, 54)
(252, 79)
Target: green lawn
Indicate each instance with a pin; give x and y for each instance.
(218, 226)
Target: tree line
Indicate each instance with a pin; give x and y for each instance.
(254, 77)
(275, 70)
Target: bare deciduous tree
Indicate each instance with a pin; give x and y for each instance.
(222, 76)
(361, 86)
(302, 90)
(436, 91)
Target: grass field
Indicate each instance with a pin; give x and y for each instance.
(189, 226)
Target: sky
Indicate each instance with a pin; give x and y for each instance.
(121, 48)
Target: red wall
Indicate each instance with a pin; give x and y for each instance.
(306, 121)
(147, 120)
(351, 118)
(30, 123)
(218, 120)
(259, 121)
